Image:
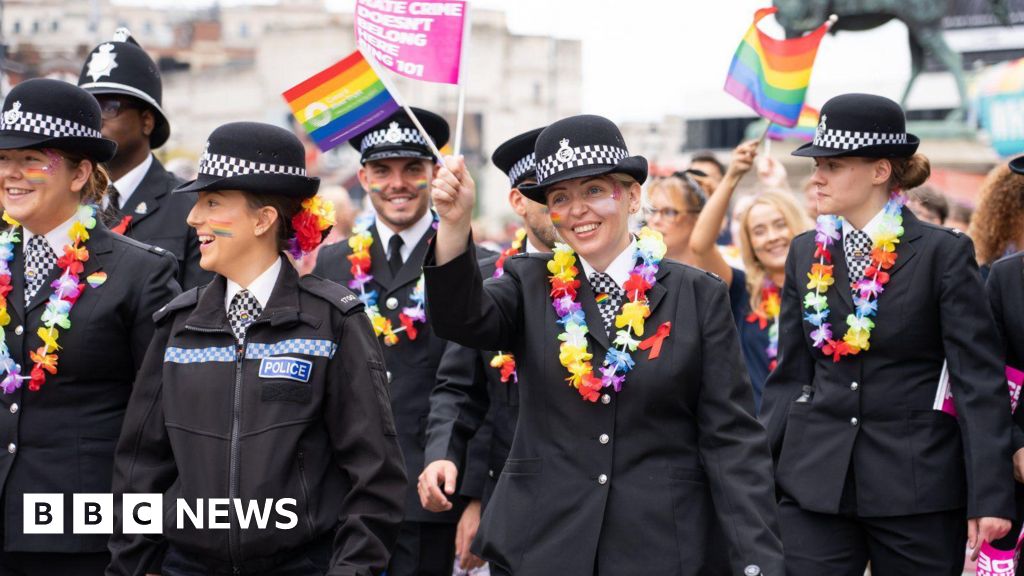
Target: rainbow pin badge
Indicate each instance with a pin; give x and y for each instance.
(601, 297)
(96, 279)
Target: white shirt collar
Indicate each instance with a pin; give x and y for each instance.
(260, 288)
(58, 237)
(530, 248)
(410, 236)
(870, 227)
(127, 184)
(619, 267)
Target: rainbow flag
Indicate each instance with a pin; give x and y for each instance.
(340, 102)
(804, 129)
(771, 75)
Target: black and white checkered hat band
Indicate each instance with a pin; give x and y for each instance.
(597, 154)
(521, 167)
(848, 140)
(46, 125)
(379, 138)
(228, 166)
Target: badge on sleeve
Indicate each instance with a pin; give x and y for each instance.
(286, 367)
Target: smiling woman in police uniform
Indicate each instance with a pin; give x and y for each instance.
(76, 306)
(262, 385)
(619, 469)
(874, 302)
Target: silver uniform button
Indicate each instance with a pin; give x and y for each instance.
(752, 570)
(854, 386)
(389, 376)
(490, 473)
(606, 399)
(391, 303)
(854, 421)
(19, 330)
(12, 448)
(602, 479)
(14, 408)
(603, 438)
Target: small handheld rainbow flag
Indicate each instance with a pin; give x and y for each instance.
(771, 75)
(804, 129)
(340, 102)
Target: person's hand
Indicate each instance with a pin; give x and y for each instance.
(469, 523)
(454, 192)
(772, 174)
(987, 529)
(1018, 465)
(742, 159)
(438, 474)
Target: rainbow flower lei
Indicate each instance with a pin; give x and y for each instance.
(866, 290)
(360, 243)
(66, 290)
(572, 352)
(310, 225)
(506, 363)
(767, 317)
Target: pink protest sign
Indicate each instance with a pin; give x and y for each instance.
(944, 393)
(995, 562)
(419, 40)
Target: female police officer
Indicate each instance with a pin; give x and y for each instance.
(653, 428)
(261, 385)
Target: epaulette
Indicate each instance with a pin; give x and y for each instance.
(184, 300)
(342, 298)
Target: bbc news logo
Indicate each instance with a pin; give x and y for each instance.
(144, 513)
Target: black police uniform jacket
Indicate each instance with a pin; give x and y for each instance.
(1006, 296)
(632, 481)
(872, 412)
(159, 218)
(205, 421)
(465, 374)
(61, 439)
(412, 364)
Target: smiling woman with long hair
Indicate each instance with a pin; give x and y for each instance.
(635, 409)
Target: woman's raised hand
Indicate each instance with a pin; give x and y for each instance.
(742, 159)
(454, 192)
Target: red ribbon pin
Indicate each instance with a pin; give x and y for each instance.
(122, 226)
(654, 342)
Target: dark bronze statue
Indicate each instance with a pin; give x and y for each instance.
(922, 17)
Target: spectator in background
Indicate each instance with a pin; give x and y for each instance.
(959, 215)
(997, 227)
(672, 207)
(928, 204)
(706, 162)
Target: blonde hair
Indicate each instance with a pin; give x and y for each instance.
(796, 220)
(624, 179)
(676, 188)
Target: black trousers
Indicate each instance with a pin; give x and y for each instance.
(52, 563)
(842, 545)
(424, 549)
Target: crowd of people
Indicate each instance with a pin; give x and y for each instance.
(656, 376)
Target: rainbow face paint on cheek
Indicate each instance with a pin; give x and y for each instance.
(421, 184)
(221, 228)
(38, 176)
(376, 188)
(556, 219)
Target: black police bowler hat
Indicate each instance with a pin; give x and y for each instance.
(1017, 165)
(397, 137)
(863, 125)
(254, 157)
(581, 146)
(515, 157)
(122, 67)
(47, 113)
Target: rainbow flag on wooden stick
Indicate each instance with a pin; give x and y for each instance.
(771, 75)
(804, 129)
(340, 102)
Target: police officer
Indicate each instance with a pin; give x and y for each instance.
(446, 432)
(873, 303)
(76, 307)
(140, 205)
(1005, 285)
(397, 166)
(262, 385)
(623, 423)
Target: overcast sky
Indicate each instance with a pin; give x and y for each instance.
(643, 59)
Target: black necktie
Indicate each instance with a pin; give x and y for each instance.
(111, 215)
(395, 254)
